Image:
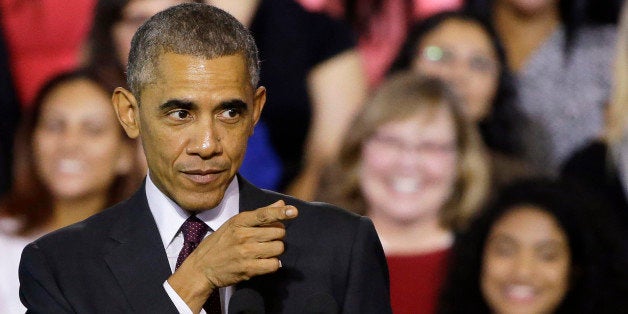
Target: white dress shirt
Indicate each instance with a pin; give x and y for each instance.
(169, 218)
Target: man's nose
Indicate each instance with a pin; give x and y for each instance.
(205, 142)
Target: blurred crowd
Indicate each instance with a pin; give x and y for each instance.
(487, 140)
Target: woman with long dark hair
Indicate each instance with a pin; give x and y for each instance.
(75, 160)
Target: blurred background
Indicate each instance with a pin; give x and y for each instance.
(468, 131)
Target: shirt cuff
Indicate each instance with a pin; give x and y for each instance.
(181, 306)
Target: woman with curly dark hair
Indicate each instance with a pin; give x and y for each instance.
(539, 248)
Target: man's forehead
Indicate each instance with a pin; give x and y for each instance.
(233, 62)
(172, 70)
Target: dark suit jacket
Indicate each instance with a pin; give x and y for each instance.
(114, 262)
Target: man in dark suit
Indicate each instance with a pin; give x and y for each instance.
(193, 73)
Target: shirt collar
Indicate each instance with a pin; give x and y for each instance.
(169, 216)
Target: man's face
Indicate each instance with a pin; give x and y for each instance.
(194, 121)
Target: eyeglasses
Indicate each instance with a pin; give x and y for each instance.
(394, 146)
(445, 56)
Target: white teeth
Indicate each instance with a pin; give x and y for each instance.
(405, 185)
(71, 166)
(520, 292)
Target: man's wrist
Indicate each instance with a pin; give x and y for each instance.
(176, 299)
(191, 288)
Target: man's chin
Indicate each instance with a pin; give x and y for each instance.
(199, 205)
(196, 197)
(196, 201)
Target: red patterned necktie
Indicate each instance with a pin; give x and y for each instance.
(194, 231)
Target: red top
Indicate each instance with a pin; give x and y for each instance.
(44, 37)
(415, 281)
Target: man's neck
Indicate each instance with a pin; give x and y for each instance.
(169, 215)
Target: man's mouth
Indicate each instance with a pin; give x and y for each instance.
(200, 176)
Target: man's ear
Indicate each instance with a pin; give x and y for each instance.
(127, 111)
(258, 104)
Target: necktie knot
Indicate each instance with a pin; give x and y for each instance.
(194, 230)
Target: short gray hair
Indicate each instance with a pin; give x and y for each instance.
(191, 29)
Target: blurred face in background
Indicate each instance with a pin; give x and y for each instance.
(408, 167)
(461, 53)
(526, 263)
(77, 143)
(134, 14)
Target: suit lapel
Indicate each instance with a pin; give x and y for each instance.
(252, 198)
(137, 257)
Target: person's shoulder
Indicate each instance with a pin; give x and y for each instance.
(316, 220)
(86, 231)
(326, 229)
(327, 223)
(320, 210)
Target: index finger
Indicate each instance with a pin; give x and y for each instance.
(266, 215)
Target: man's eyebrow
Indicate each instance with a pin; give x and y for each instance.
(232, 104)
(176, 104)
